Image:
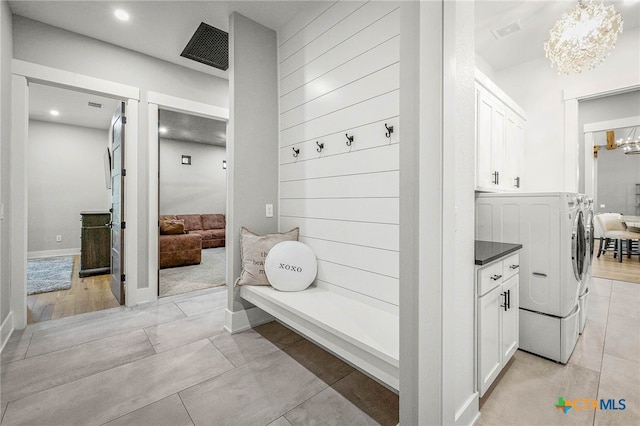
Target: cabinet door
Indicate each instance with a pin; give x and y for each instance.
(514, 152)
(489, 347)
(498, 130)
(510, 316)
(484, 117)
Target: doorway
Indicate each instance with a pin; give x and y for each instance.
(68, 186)
(191, 202)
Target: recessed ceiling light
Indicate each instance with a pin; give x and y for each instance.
(121, 15)
(162, 130)
(54, 113)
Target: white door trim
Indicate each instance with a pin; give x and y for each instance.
(158, 101)
(23, 74)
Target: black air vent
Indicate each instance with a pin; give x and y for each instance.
(210, 46)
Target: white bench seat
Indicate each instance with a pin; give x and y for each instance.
(362, 335)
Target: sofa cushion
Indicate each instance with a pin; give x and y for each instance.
(168, 217)
(209, 234)
(172, 227)
(213, 221)
(192, 222)
(253, 251)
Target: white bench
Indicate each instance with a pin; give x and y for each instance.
(365, 336)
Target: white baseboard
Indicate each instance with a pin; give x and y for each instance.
(236, 322)
(53, 253)
(469, 414)
(5, 330)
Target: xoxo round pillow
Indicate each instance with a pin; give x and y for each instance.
(291, 266)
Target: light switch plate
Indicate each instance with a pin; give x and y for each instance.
(269, 210)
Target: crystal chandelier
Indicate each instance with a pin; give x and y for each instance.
(630, 145)
(583, 37)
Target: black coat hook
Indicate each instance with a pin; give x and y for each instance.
(320, 146)
(389, 130)
(296, 152)
(349, 139)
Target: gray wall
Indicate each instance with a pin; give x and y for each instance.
(602, 109)
(617, 176)
(198, 188)
(252, 136)
(43, 44)
(6, 47)
(65, 177)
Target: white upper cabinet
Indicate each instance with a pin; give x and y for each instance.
(499, 138)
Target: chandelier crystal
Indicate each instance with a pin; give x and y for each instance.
(631, 144)
(583, 37)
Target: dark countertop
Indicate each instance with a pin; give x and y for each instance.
(488, 251)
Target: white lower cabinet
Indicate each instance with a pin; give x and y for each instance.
(498, 304)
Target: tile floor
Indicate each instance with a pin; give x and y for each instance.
(171, 363)
(604, 364)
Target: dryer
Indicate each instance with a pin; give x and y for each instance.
(550, 226)
(589, 224)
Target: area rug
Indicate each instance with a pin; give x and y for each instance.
(49, 274)
(183, 279)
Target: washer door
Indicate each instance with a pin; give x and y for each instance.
(578, 246)
(589, 235)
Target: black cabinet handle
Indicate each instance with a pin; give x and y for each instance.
(496, 277)
(508, 299)
(514, 266)
(539, 274)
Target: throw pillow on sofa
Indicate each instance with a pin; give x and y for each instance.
(253, 251)
(172, 227)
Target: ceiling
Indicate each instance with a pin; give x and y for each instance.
(191, 128)
(72, 106)
(536, 19)
(160, 29)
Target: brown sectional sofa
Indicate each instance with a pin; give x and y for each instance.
(182, 237)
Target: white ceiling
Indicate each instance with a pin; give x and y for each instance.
(536, 18)
(160, 29)
(72, 106)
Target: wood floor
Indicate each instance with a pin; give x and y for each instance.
(608, 267)
(85, 295)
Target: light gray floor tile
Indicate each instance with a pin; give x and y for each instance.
(600, 287)
(176, 333)
(243, 347)
(530, 388)
(280, 421)
(620, 380)
(625, 302)
(108, 395)
(321, 363)
(75, 334)
(588, 350)
(186, 296)
(328, 408)
(74, 319)
(204, 303)
(623, 337)
(22, 378)
(598, 309)
(17, 345)
(625, 288)
(371, 397)
(254, 394)
(166, 412)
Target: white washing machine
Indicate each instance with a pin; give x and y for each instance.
(589, 224)
(550, 227)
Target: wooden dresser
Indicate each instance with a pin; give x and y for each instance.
(95, 244)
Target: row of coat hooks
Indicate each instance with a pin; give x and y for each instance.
(350, 139)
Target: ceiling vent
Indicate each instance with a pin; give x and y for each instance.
(507, 30)
(210, 46)
(94, 104)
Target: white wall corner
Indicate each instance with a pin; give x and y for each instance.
(5, 330)
(236, 322)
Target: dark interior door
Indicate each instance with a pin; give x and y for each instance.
(117, 205)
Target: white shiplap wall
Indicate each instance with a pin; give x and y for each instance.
(339, 73)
